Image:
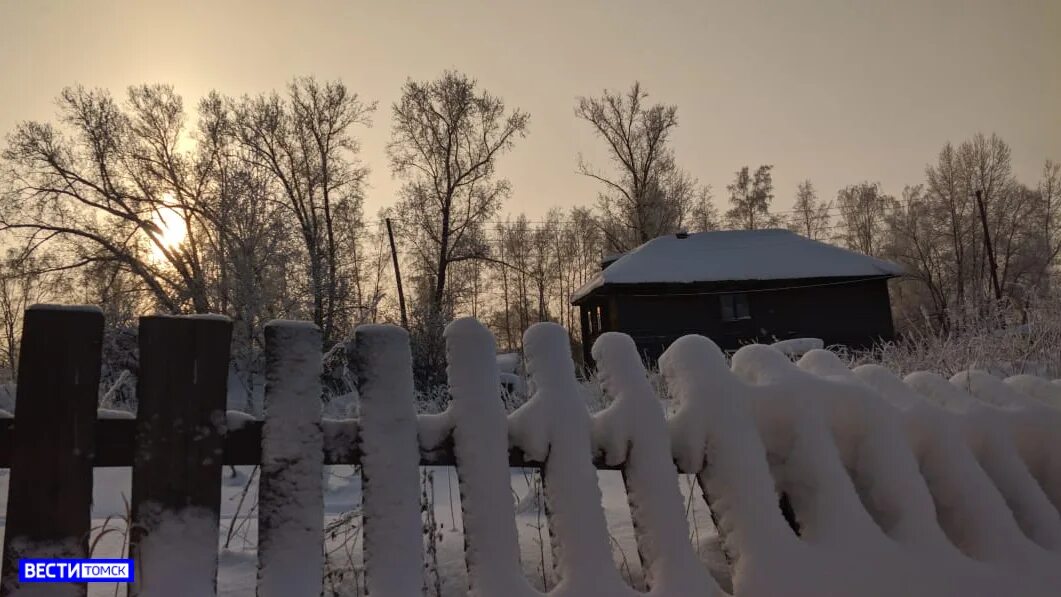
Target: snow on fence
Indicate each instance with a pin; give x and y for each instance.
(915, 486)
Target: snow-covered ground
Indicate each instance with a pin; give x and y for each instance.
(238, 563)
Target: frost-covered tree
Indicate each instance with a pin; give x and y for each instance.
(939, 234)
(750, 196)
(304, 139)
(704, 215)
(810, 216)
(647, 194)
(863, 210)
(1049, 216)
(446, 137)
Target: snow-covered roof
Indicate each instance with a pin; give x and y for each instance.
(735, 255)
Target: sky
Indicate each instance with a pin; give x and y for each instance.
(832, 91)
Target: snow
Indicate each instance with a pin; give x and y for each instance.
(508, 362)
(971, 507)
(795, 347)
(433, 430)
(109, 413)
(236, 420)
(341, 434)
(714, 425)
(390, 460)
(178, 556)
(870, 436)
(23, 548)
(859, 485)
(514, 383)
(219, 317)
(55, 307)
(554, 423)
(480, 435)
(290, 495)
(1038, 388)
(633, 430)
(736, 255)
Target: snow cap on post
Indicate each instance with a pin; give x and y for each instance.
(1038, 388)
(823, 363)
(991, 390)
(941, 392)
(760, 364)
(889, 385)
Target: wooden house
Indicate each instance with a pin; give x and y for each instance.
(738, 287)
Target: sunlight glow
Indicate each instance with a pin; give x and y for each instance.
(174, 228)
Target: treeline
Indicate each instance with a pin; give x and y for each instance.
(253, 206)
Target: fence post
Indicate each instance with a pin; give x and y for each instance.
(480, 448)
(50, 489)
(180, 427)
(572, 493)
(290, 496)
(390, 461)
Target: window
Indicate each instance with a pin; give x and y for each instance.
(734, 307)
(594, 318)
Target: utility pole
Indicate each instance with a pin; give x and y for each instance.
(988, 246)
(398, 276)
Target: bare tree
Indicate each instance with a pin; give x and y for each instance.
(1050, 215)
(446, 138)
(810, 217)
(107, 182)
(863, 210)
(942, 236)
(304, 139)
(917, 241)
(648, 195)
(704, 215)
(25, 279)
(751, 196)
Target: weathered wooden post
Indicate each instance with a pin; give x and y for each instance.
(180, 428)
(50, 490)
(290, 495)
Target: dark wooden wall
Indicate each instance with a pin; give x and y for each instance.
(853, 313)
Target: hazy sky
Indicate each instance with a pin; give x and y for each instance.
(834, 91)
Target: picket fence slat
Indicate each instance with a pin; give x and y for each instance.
(381, 360)
(50, 488)
(290, 492)
(176, 493)
(480, 439)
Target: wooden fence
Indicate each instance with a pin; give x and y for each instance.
(869, 465)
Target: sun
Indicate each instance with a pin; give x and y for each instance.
(173, 229)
